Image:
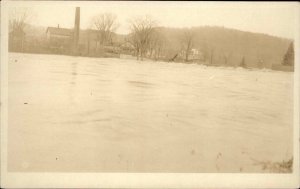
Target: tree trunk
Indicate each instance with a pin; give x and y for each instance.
(88, 49)
(142, 55)
(22, 44)
(211, 56)
(225, 60)
(137, 54)
(187, 55)
(151, 52)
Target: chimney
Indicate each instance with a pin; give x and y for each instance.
(76, 29)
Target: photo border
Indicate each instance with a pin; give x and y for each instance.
(139, 180)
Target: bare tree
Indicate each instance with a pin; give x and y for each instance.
(187, 42)
(204, 48)
(142, 29)
(243, 63)
(227, 56)
(156, 44)
(19, 19)
(106, 24)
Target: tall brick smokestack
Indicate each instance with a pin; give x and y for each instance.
(76, 30)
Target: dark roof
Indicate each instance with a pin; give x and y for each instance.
(60, 31)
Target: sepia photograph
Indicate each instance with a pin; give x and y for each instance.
(135, 88)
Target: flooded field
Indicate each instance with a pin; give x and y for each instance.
(116, 115)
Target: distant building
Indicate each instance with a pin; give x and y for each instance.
(59, 39)
(79, 42)
(194, 55)
(127, 47)
(63, 40)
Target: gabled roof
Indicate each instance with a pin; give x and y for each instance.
(60, 31)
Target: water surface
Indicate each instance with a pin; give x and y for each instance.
(116, 115)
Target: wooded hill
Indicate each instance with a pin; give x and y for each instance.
(229, 46)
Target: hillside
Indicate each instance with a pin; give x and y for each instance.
(230, 44)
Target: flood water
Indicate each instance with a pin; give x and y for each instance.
(118, 115)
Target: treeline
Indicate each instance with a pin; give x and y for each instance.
(203, 45)
(212, 45)
(223, 46)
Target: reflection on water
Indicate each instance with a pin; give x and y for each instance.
(73, 80)
(158, 117)
(140, 84)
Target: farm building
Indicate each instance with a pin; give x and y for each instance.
(59, 40)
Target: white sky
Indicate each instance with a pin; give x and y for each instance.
(275, 18)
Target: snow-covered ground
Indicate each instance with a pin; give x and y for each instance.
(92, 114)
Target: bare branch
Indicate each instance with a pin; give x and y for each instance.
(142, 29)
(187, 42)
(106, 24)
(19, 18)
